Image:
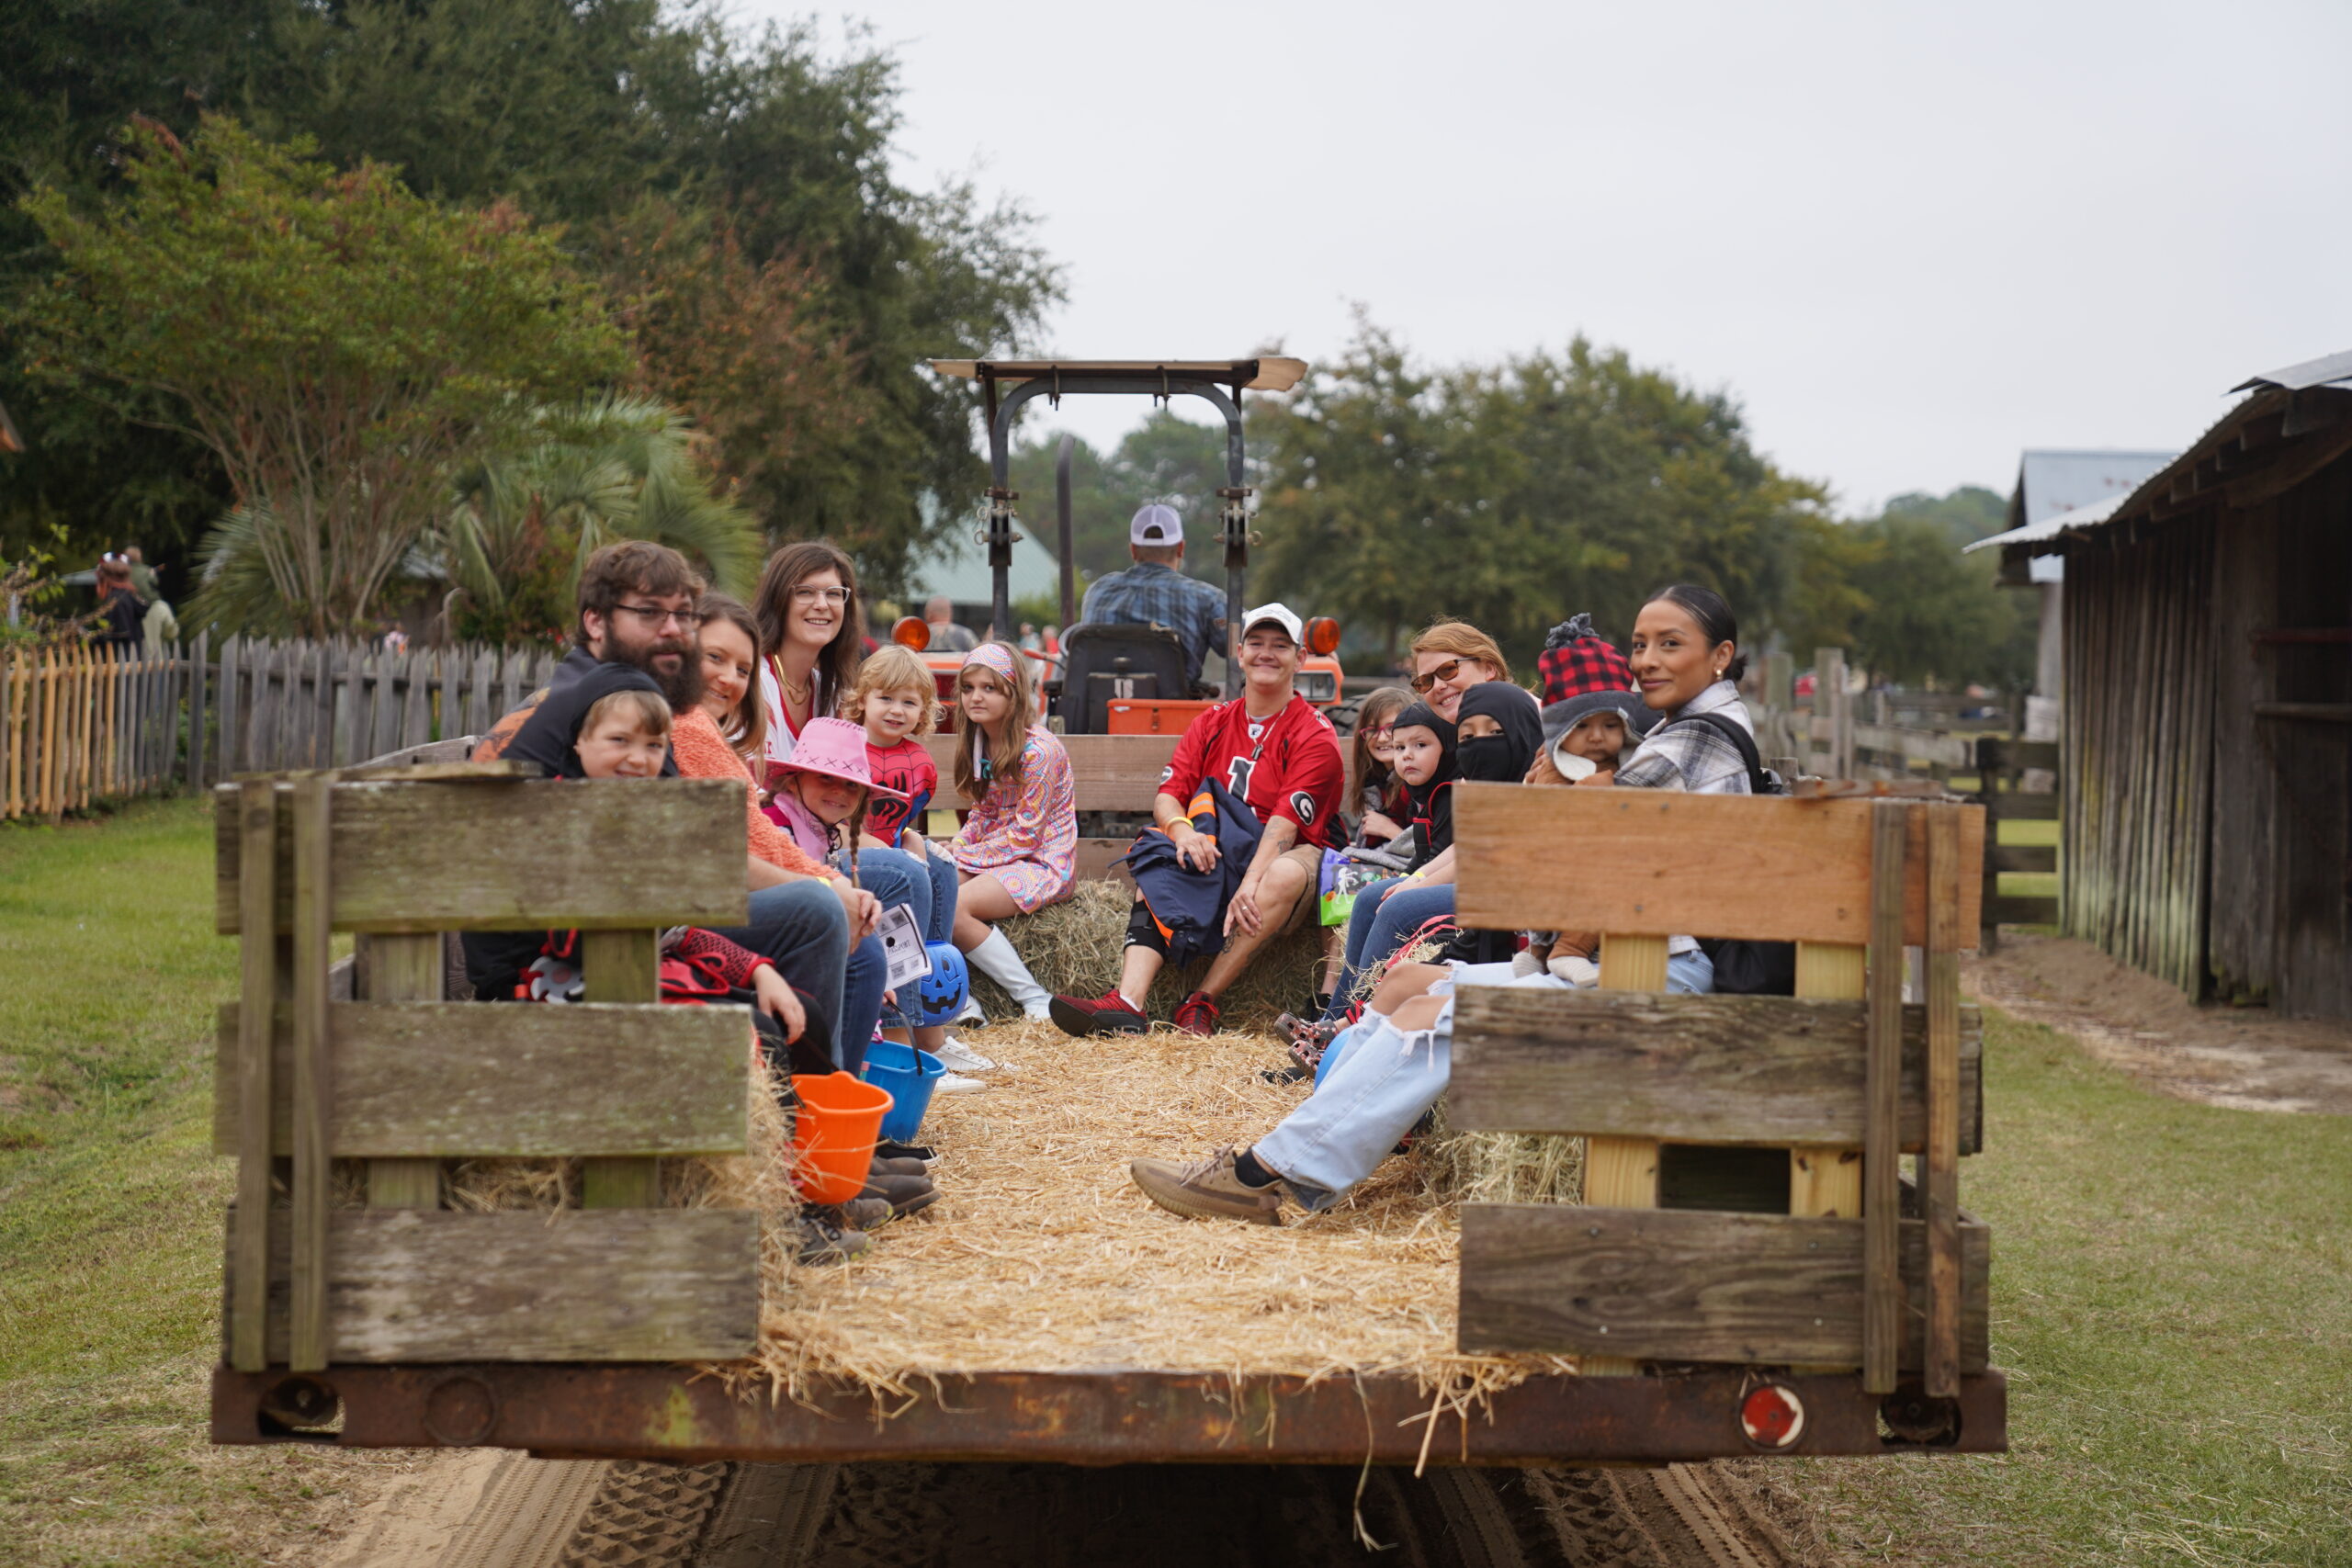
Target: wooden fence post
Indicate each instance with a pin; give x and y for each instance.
(199, 679)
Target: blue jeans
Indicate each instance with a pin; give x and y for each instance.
(1379, 1080)
(927, 891)
(801, 927)
(1385, 913)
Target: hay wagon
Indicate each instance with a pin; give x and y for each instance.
(1749, 1272)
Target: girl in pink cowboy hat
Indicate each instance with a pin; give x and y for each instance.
(820, 797)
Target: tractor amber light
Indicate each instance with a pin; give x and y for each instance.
(1772, 1416)
(1323, 636)
(912, 631)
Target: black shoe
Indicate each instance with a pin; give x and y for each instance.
(886, 1149)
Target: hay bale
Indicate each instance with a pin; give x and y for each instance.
(1073, 948)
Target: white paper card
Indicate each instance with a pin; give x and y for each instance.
(902, 944)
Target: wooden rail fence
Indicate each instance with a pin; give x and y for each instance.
(80, 724)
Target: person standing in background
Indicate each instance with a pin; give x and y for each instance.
(947, 637)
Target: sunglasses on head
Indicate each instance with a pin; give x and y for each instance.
(1445, 672)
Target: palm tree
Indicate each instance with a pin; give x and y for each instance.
(521, 525)
(520, 522)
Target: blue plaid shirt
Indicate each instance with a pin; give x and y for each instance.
(1148, 593)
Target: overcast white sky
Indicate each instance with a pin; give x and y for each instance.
(1912, 239)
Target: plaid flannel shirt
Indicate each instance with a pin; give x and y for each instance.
(1148, 593)
(1695, 758)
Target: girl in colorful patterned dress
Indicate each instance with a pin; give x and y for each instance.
(1018, 851)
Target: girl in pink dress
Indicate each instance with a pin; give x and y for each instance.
(1018, 851)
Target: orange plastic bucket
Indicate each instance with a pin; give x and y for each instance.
(833, 1134)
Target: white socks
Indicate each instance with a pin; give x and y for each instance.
(996, 959)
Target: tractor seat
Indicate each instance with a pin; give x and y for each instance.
(1103, 664)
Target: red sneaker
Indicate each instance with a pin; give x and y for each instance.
(1106, 1014)
(1197, 1014)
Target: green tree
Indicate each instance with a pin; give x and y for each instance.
(1513, 495)
(765, 150)
(338, 343)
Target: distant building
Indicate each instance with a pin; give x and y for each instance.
(958, 567)
(2052, 486)
(2206, 750)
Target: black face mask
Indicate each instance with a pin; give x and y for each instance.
(1503, 758)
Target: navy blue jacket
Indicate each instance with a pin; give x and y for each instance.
(1188, 905)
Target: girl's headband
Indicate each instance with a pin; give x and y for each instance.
(998, 658)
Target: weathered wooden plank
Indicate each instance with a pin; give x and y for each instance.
(2021, 857)
(623, 1285)
(626, 967)
(476, 1079)
(314, 951)
(1653, 862)
(2000, 752)
(1940, 1164)
(1760, 1070)
(501, 856)
(1690, 1285)
(1110, 773)
(253, 808)
(2010, 806)
(400, 968)
(1881, 1164)
(1914, 745)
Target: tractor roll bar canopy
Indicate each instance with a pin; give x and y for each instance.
(1009, 383)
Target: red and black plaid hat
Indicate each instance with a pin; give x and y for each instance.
(1576, 660)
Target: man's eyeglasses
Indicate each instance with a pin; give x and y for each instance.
(654, 615)
(820, 595)
(1445, 672)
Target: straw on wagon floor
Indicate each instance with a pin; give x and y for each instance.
(1041, 1256)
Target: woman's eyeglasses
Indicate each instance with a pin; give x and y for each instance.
(1445, 672)
(808, 596)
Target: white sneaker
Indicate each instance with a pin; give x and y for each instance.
(957, 1083)
(970, 1015)
(959, 1057)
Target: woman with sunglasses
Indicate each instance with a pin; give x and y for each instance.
(1451, 658)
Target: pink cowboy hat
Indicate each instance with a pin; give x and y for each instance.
(836, 749)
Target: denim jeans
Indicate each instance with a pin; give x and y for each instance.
(927, 891)
(1383, 1079)
(801, 927)
(1384, 914)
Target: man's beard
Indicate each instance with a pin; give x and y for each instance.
(681, 689)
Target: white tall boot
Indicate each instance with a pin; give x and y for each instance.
(996, 959)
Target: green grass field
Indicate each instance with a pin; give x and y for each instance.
(110, 1209)
(2169, 1287)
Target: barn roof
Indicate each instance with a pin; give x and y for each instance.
(2293, 422)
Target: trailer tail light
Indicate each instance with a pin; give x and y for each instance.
(912, 631)
(1771, 1416)
(1323, 636)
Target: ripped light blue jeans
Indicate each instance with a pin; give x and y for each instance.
(1385, 1079)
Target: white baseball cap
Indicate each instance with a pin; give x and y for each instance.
(1155, 525)
(1278, 615)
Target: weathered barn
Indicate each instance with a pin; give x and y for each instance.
(2207, 735)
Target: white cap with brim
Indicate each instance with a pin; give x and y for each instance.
(1157, 526)
(1275, 614)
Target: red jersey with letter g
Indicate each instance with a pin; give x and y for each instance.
(1291, 767)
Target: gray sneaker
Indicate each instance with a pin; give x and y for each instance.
(1208, 1190)
(822, 1242)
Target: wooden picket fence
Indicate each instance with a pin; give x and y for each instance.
(80, 724)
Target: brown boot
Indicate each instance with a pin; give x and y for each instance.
(1207, 1189)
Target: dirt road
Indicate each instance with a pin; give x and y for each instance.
(488, 1509)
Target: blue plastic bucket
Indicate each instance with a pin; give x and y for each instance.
(910, 1075)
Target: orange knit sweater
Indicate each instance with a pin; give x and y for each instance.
(703, 753)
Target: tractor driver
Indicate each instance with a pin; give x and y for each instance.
(1275, 753)
(1155, 590)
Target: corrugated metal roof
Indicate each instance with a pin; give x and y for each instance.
(2050, 528)
(2331, 370)
(2050, 482)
